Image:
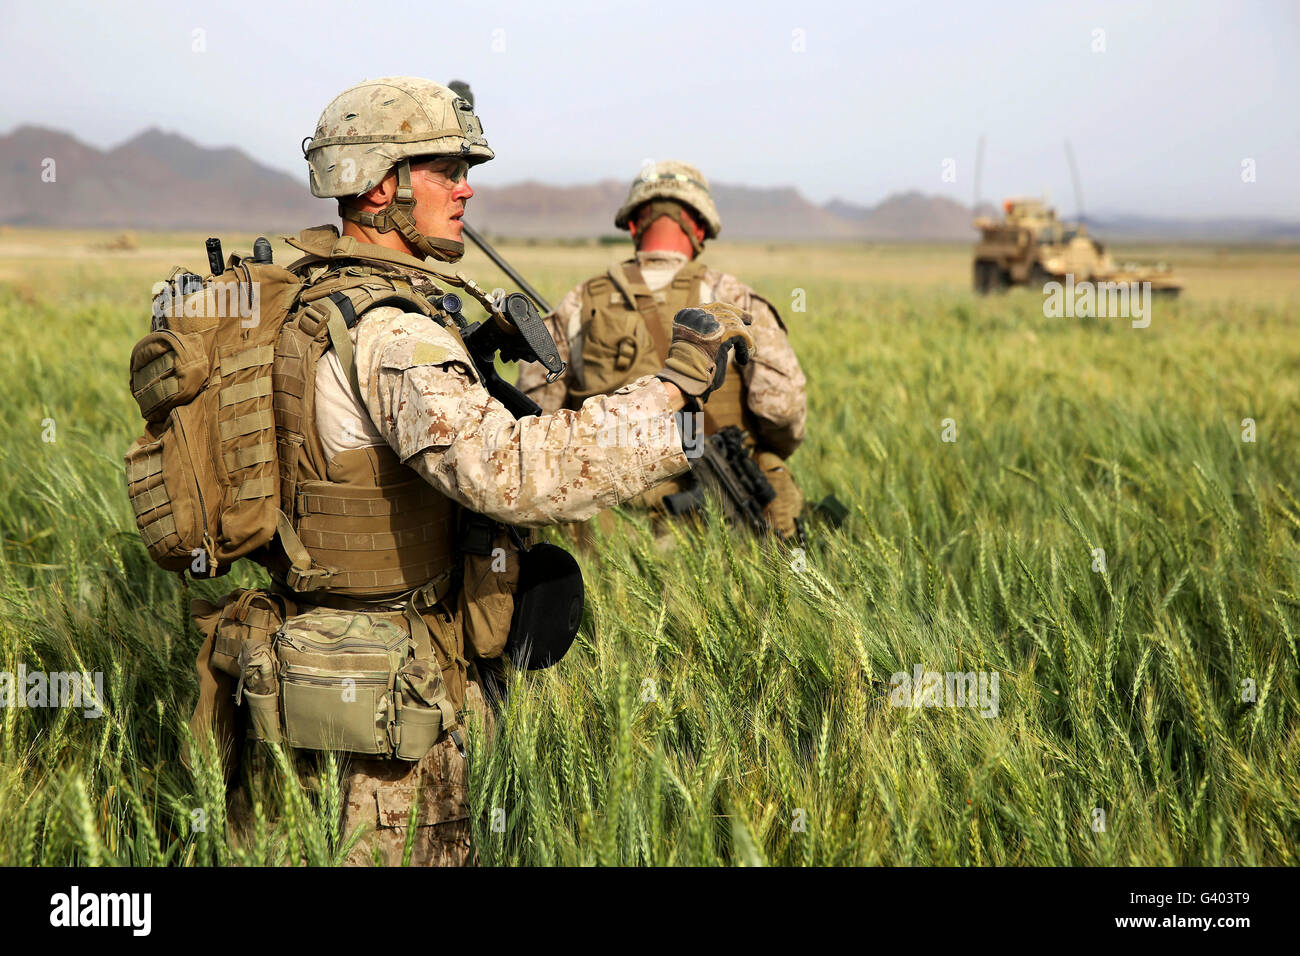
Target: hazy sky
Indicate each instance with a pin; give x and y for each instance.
(839, 99)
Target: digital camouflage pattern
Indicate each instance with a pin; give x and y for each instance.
(424, 398)
(420, 396)
(379, 794)
(368, 128)
(775, 386)
(678, 181)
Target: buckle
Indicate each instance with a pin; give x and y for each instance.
(313, 579)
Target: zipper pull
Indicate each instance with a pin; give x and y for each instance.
(210, 547)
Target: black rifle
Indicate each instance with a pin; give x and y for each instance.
(517, 333)
(726, 468)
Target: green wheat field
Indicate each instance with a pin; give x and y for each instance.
(1149, 709)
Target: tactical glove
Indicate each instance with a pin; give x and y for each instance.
(702, 339)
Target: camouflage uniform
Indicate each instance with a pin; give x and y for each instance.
(774, 384)
(419, 399)
(767, 397)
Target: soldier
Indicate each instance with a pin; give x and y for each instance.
(385, 435)
(616, 326)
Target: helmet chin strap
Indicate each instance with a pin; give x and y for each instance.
(657, 209)
(397, 215)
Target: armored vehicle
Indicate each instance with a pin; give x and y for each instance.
(1030, 246)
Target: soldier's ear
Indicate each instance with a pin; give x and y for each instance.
(378, 196)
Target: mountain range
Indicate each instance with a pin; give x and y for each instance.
(162, 180)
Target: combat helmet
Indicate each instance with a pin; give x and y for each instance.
(380, 126)
(676, 182)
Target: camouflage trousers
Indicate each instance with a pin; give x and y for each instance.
(377, 798)
(378, 794)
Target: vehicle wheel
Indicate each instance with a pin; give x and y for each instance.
(986, 276)
(1039, 277)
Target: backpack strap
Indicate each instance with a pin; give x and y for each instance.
(630, 282)
(340, 314)
(340, 318)
(618, 276)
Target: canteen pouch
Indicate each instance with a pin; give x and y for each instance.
(257, 687)
(424, 711)
(167, 370)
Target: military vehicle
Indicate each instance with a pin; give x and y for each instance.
(1030, 246)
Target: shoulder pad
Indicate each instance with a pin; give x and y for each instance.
(316, 242)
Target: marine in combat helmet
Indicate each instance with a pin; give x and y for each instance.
(386, 439)
(617, 326)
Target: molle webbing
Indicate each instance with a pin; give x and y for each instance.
(245, 423)
(362, 525)
(658, 308)
(726, 406)
(381, 539)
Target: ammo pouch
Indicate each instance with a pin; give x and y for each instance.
(348, 681)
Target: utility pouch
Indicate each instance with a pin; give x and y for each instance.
(349, 681)
(336, 671)
(423, 710)
(487, 594)
(241, 616)
(258, 688)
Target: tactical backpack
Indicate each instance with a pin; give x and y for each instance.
(203, 479)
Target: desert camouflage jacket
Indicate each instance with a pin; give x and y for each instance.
(775, 387)
(423, 398)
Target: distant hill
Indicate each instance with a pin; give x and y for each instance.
(156, 180)
(161, 180)
(909, 215)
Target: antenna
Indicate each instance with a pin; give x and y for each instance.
(979, 170)
(1078, 186)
